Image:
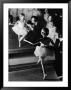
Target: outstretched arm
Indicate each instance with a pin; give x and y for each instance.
(28, 42)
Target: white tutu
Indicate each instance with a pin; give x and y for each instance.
(42, 51)
(19, 29)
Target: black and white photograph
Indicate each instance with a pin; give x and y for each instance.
(35, 44)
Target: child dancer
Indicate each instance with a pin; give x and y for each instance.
(21, 28)
(43, 50)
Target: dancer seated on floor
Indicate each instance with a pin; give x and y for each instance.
(21, 28)
(43, 49)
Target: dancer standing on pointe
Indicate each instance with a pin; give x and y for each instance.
(43, 49)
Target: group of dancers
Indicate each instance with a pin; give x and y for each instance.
(42, 32)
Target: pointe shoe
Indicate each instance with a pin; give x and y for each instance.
(19, 44)
(44, 76)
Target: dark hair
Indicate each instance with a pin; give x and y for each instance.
(46, 30)
(22, 14)
(35, 17)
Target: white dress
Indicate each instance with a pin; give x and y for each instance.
(43, 51)
(19, 28)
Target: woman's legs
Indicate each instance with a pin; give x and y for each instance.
(44, 74)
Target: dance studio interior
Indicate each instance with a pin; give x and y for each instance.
(35, 44)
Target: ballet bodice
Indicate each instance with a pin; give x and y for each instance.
(45, 41)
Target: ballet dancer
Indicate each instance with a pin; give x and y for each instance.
(21, 28)
(42, 50)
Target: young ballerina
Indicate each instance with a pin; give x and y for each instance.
(52, 29)
(43, 50)
(58, 57)
(21, 28)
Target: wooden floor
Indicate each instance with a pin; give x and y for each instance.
(25, 69)
(33, 74)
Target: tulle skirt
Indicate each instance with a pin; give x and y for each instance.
(43, 52)
(19, 30)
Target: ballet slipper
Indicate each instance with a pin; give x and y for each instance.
(44, 76)
(19, 44)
